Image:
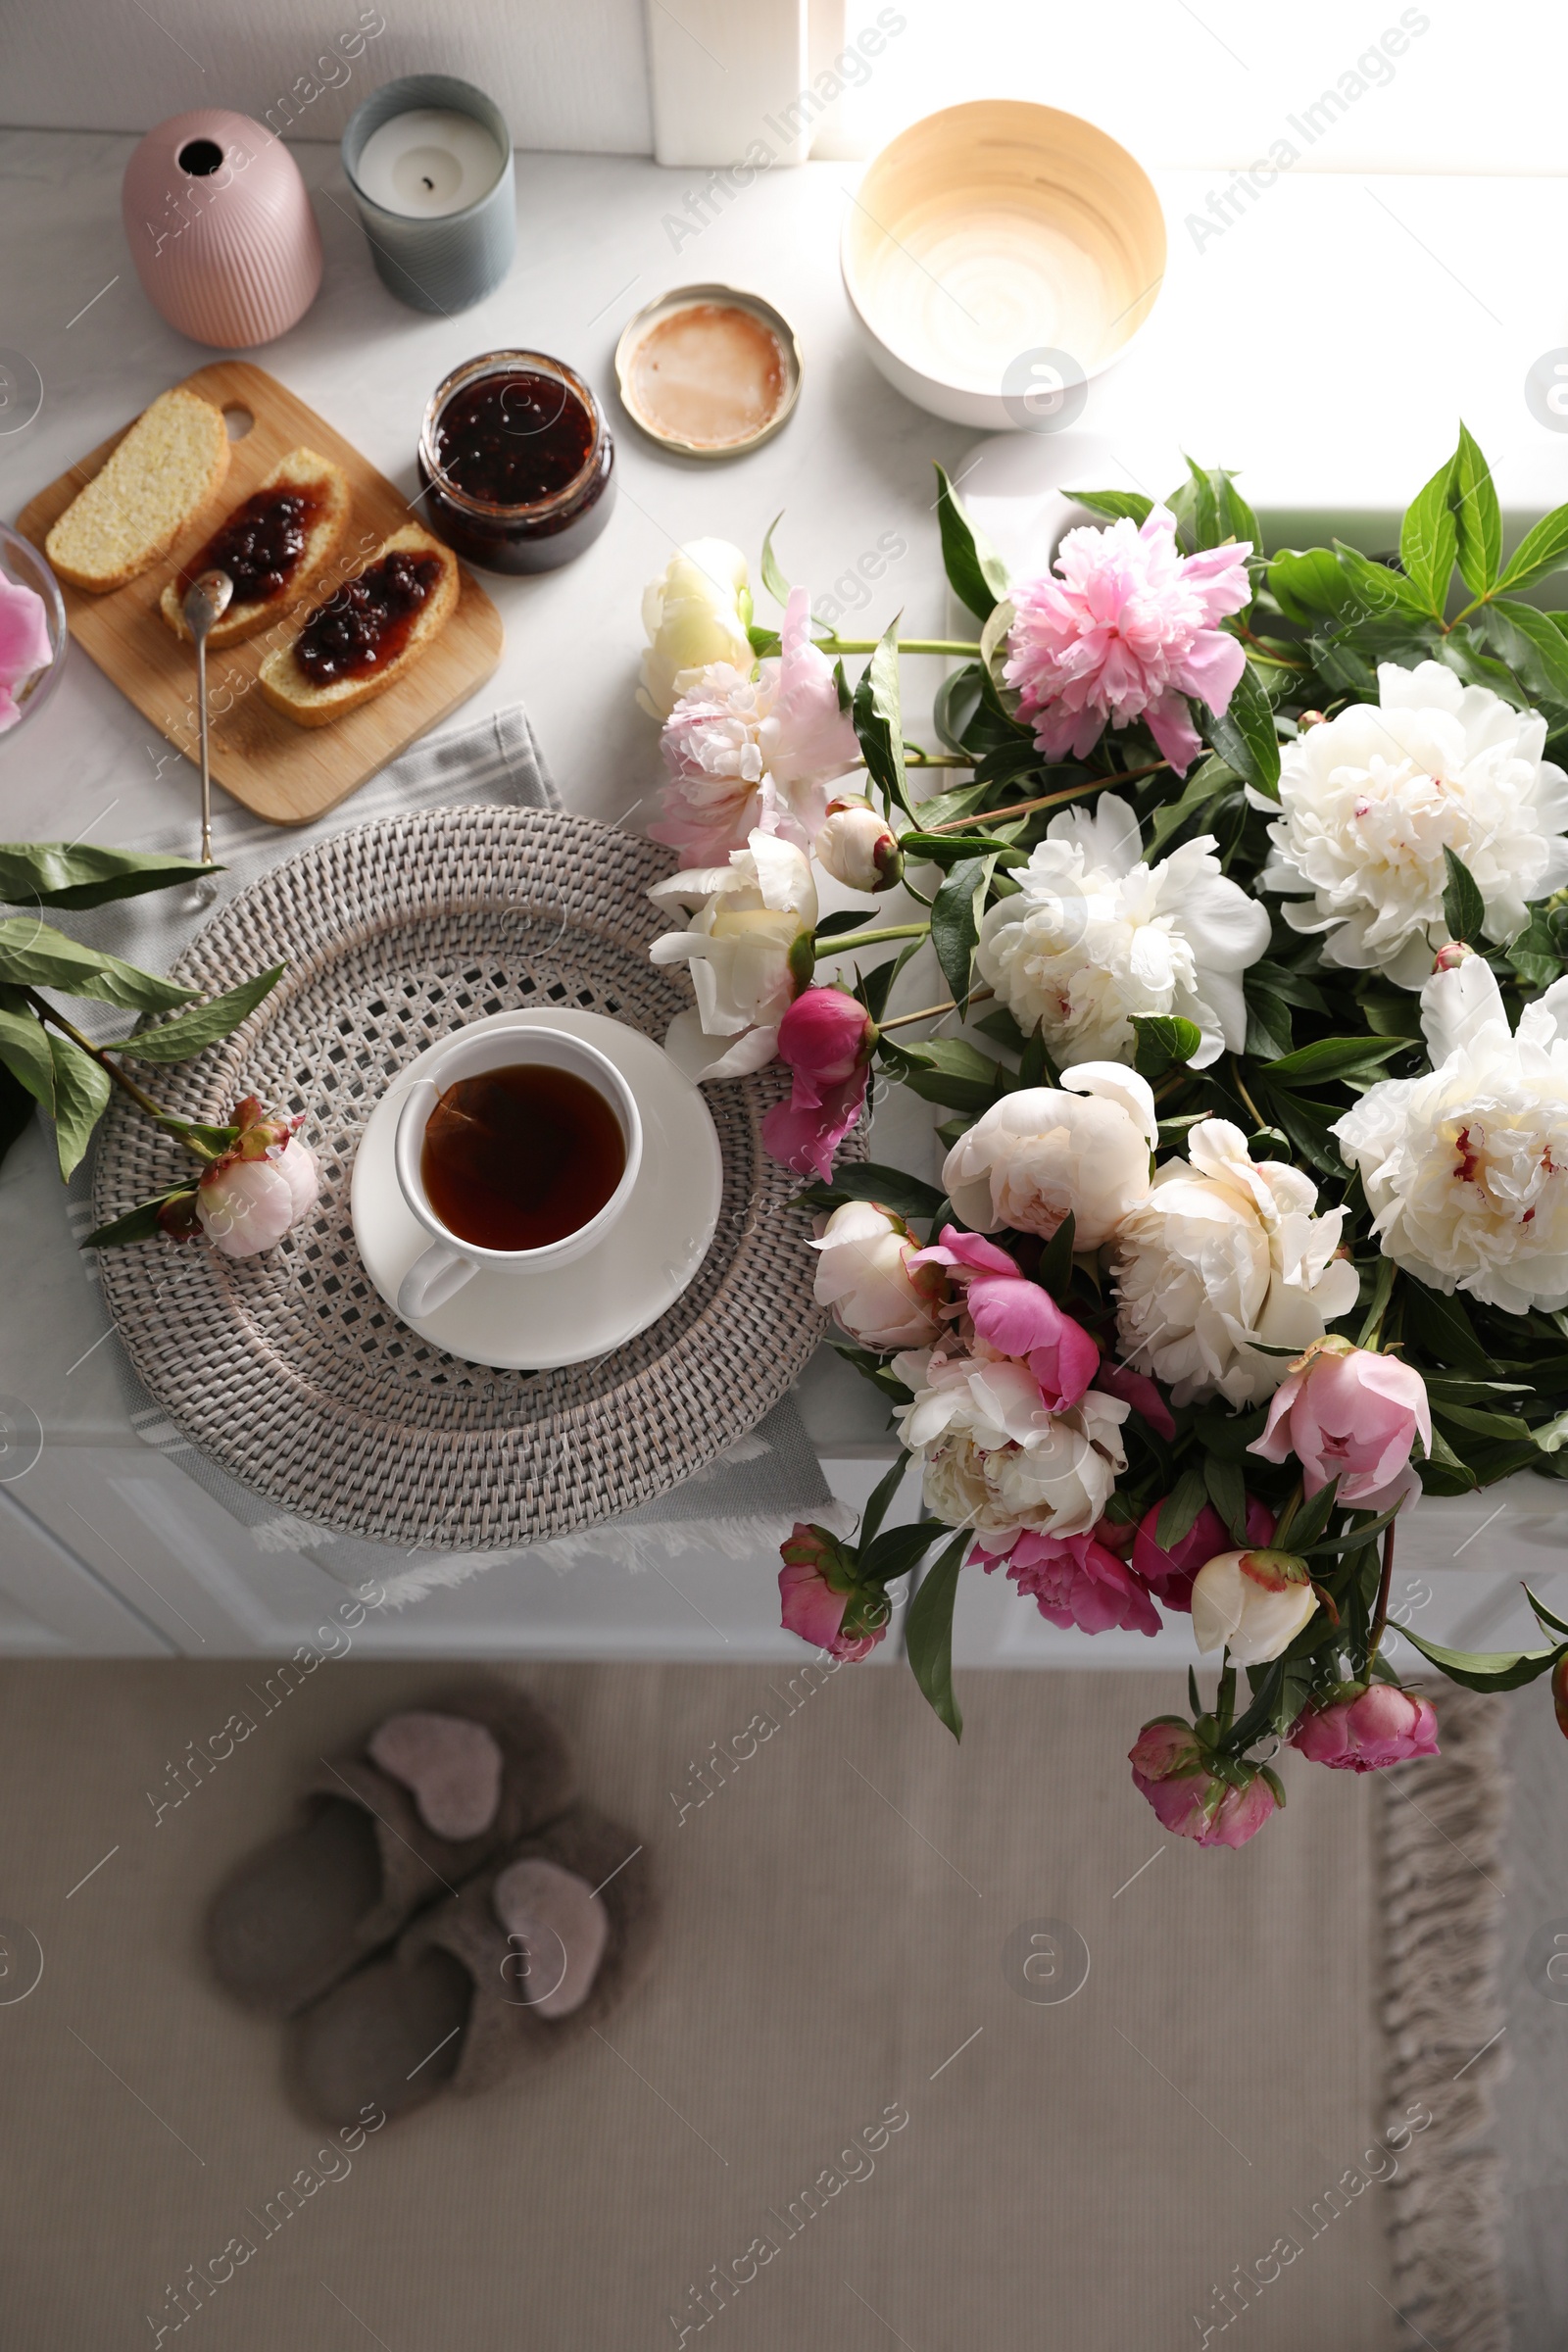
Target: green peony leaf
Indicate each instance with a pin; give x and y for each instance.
(1542, 549)
(34, 954)
(68, 873)
(1332, 1057)
(1464, 910)
(1114, 505)
(955, 913)
(1487, 1670)
(879, 718)
(1429, 542)
(1245, 735)
(204, 1024)
(1165, 1042)
(928, 1632)
(975, 571)
(1478, 518)
(81, 1097)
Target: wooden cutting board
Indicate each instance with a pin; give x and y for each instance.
(281, 771)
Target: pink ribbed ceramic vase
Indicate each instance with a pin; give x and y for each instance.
(221, 228)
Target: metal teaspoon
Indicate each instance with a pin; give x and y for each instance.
(207, 599)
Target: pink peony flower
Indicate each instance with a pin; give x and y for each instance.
(1017, 1318)
(1348, 1413)
(24, 644)
(263, 1185)
(1169, 1573)
(809, 738)
(1076, 1580)
(754, 752)
(1170, 1768)
(1364, 1730)
(712, 748)
(826, 1038)
(820, 1598)
(1127, 631)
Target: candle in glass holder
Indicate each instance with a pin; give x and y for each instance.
(428, 164)
(429, 161)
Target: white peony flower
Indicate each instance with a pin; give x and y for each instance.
(1466, 1169)
(1371, 798)
(864, 1275)
(1039, 1153)
(1094, 936)
(692, 614)
(749, 946)
(995, 1460)
(1252, 1602)
(1226, 1252)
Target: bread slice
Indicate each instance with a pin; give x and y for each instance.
(174, 459)
(301, 469)
(286, 687)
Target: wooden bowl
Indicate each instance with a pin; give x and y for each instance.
(991, 243)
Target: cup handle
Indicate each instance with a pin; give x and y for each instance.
(436, 1276)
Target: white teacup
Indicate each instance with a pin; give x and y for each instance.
(450, 1262)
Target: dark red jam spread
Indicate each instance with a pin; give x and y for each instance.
(514, 439)
(261, 544)
(365, 624)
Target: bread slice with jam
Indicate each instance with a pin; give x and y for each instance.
(275, 546)
(369, 634)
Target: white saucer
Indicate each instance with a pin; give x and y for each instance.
(534, 1321)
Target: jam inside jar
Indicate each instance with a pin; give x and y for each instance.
(516, 463)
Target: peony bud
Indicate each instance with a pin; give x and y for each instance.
(1360, 1728)
(1348, 1413)
(826, 1038)
(1450, 956)
(857, 847)
(1169, 1573)
(694, 614)
(823, 1599)
(872, 1273)
(264, 1184)
(1254, 1604)
(1172, 1769)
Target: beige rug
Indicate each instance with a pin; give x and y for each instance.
(835, 2118)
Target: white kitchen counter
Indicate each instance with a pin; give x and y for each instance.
(1325, 344)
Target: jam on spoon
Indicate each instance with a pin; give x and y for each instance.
(366, 623)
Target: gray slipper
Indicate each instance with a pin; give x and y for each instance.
(427, 1799)
(536, 1950)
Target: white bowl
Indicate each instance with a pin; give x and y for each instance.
(993, 242)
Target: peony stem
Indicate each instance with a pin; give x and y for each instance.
(1049, 800)
(1240, 1088)
(907, 644)
(1382, 1617)
(833, 945)
(1286, 1517)
(929, 1013)
(46, 1013)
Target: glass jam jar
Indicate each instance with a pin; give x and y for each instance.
(516, 463)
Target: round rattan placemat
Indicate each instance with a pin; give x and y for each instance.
(288, 1369)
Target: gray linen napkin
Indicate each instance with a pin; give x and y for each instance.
(741, 1506)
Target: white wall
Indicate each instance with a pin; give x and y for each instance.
(566, 73)
(1470, 85)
